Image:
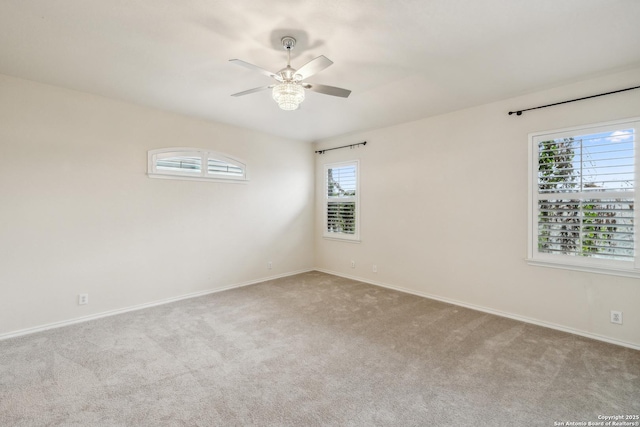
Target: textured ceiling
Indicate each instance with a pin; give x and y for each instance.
(402, 59)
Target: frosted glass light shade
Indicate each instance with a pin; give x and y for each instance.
(288, 95)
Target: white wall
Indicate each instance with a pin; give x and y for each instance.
(444, 212)
(79, 214)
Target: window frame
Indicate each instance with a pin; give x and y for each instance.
(580, 263)
(347, 237)
(204, 174)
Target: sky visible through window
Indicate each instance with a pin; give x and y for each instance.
(608, 160)
(599, 161)
(344, 180)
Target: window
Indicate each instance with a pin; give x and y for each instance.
(194, 163)
(342, 207)
(582, 198)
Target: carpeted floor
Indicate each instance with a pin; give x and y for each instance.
(311, 350)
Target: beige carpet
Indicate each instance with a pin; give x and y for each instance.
(311, 350)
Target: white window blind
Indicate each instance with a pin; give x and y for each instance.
(221, 167)
(341, 189)
(194, 163)
(584, 196)
(174, 162)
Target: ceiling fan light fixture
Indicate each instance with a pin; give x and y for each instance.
(288, 95)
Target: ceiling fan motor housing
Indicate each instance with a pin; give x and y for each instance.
(288, 74)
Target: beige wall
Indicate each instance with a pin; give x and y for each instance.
(79, 214)
(444, 212)
(444, 208)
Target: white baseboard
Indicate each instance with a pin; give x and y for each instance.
(60, 324)
(488, 310)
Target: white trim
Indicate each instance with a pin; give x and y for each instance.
(585, 127)
(586, 268)
(197, 178)
(530, 194)
(341, 239)
(82, 319)
(489, 311)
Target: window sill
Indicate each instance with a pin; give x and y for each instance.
(197, 178)
(341, 239)
(631, 272)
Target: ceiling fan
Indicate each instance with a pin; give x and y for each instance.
(288, 92)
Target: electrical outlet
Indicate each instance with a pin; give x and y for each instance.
(83, 299)
(375, 268)
(616, 317)
(353, 264)
(269, 265)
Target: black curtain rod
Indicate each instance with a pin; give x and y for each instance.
(519, 112)
(344, 146)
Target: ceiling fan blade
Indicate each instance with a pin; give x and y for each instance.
(256, 68)
(327, 90)
(257, 89)
(314, 66)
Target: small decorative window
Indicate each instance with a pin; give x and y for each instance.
(194, 163)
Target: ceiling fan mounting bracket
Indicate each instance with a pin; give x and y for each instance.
(288, 42)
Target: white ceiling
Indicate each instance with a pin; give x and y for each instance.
(403, 59)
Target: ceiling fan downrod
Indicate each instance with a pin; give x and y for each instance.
(288, 43)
